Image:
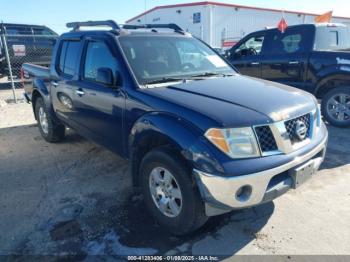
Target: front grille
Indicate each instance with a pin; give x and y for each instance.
(291, 126)
(266, 140)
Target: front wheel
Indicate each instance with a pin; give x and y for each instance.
(49, 129)
(336, 107)
(169, 192)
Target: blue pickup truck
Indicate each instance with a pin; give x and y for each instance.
(202, 139)
(315, 58)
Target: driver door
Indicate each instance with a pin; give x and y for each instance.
(246, 55)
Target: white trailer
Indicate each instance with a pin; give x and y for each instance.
(221, 24)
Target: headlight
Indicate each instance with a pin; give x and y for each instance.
(318, 113)
(235, 142)
(319, 117)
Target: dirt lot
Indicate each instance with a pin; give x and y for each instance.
(76, 198)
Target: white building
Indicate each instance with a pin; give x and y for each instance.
(221, 24)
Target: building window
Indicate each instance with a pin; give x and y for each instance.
(196, 18)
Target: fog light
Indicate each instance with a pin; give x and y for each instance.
(243, 193)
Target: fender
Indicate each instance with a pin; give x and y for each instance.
(40, 88)
(336, 75)
(187, 139)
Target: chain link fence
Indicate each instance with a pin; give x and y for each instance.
(16, 49)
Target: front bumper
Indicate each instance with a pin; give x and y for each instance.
(222, 194)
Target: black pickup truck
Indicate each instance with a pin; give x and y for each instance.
(314, 58)
(201, 139)
(26, 44)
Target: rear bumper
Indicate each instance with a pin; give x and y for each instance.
(222, 194)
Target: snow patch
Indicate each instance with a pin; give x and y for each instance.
(2, 103)
(110, 245)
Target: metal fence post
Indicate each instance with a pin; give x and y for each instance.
(9, 66)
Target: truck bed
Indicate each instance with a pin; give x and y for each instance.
(29, 72)
(32, 70)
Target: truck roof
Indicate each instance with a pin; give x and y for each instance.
(304, 25)
(21, 25)
(123, 30)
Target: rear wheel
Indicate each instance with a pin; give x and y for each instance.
(336, 107)
(169, 192)
(50, 131)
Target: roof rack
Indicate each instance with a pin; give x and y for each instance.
(175, 27)
(76, 25)
(115, 27)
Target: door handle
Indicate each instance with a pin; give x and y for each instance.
(294, 62)
(255, 63)
(79, 92)
(54, 83)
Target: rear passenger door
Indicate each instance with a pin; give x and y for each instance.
(285, 56)
(65, 82)
(99, 106)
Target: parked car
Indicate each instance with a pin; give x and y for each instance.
(314, 58)
(202, 139)
(25, 43)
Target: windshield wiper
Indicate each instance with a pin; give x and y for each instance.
(165, 80)
(209, 74)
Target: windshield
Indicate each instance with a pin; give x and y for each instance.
(171, 58)
(332, 38)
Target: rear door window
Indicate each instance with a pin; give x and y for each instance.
(18, 30)
(69, 57)
(292, 41)
(42, 31)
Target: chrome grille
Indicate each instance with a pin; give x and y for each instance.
(265, 137)
(291, 125)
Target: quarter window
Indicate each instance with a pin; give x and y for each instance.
(69, 57)
(63, 56)
(98, 55)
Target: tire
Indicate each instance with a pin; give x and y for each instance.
(335, 111)
(191, 214)
(50, 131)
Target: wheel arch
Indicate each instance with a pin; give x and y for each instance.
(330, 82)
(41, 90)
(159, 129)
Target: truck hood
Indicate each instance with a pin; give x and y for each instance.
(242, 98)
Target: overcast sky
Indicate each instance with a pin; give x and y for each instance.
(56, 13)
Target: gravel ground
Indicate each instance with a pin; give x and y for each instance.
(76, 198)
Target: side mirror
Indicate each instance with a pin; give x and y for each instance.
(105, 76)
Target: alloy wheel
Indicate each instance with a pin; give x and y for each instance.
(165, 192)
(43, 120)
(338, 107)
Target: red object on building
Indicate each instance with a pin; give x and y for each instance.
(282, 25)
(229, 43)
